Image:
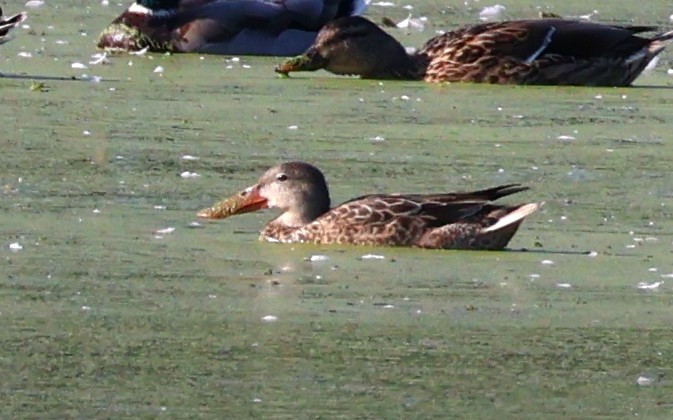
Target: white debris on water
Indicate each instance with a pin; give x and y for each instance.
(491, 12)
(164, 231)
(187, 174)
(318, 258)
(547, 262)
(372, 257)
(99, 58)
(565, 137)
(189, 157)
(644, 381)
(649, 286)
(269, 318)
(413, 23)
(34, 4)
(564, 285)
(15, 246)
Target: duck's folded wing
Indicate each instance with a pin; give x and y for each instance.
(527, 40)
(377, 210)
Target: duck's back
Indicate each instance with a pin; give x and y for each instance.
(526, 40)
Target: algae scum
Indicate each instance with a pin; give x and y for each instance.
(114, 305)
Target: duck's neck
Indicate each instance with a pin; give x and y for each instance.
(305, 215)
(408, 66)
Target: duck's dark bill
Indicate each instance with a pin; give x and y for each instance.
(242, 202)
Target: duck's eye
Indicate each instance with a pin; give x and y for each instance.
(281, 177)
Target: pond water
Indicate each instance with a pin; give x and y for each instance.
(107, 311)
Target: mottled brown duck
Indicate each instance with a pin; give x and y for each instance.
(458, 220)
(528, 52)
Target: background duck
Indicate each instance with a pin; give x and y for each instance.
(539, 51)
(9, 23)
(253, 27)
(450, 220)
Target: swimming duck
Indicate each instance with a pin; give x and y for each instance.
(252, 27)
(461, 220)
(536, 52)
(9, 23)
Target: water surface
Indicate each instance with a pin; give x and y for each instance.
(103, 316)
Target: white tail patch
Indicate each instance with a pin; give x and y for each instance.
(545, 43)
(514, 217)
(651, 65)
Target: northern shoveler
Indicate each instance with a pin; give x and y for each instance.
(534, 52)
(9, 23)
(252, 27)
(461, 220)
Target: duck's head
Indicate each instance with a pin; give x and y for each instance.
(353, 46)
(297, 188)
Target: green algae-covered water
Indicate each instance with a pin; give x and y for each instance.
(114, 304)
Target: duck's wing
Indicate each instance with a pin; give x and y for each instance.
(526, 40)
(432, 209)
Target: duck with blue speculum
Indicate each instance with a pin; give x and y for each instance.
(241, 27)
(528, 52)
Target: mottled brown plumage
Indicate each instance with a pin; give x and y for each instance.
(9, 23)
(461, 220)
(537, 51)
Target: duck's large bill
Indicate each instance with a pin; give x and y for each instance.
(306, 62)
(244, 201)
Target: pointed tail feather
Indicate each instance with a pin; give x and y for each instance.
(660, 42)
(515, 216)
(494, 193)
